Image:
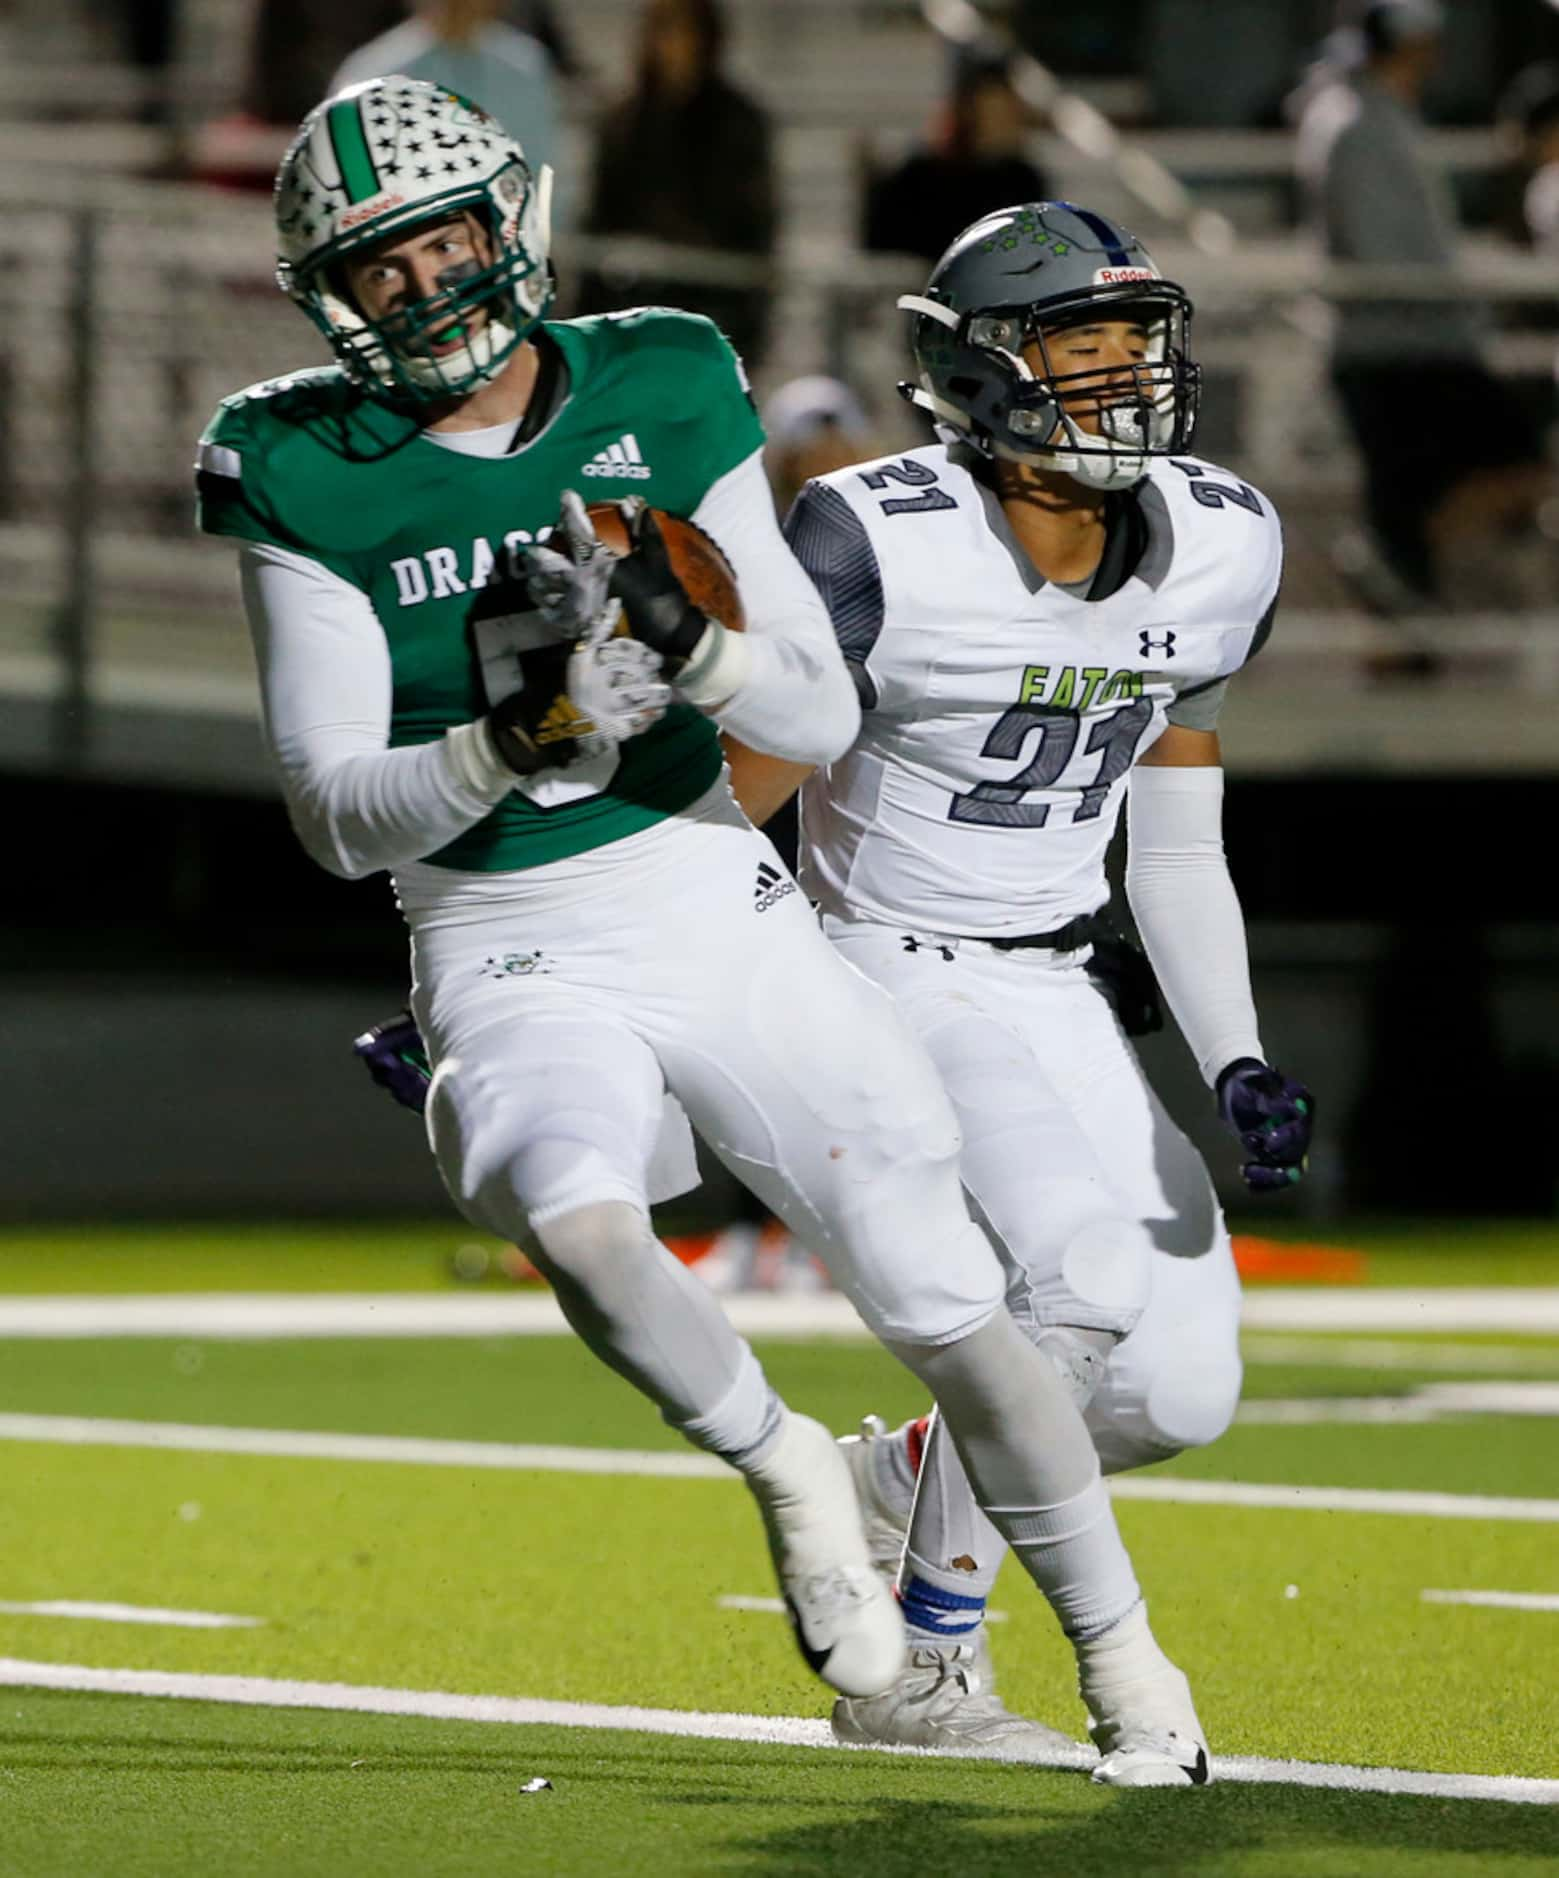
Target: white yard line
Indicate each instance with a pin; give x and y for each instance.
(1411, 1504)
(764, 1314)
(1430, 1402)
(1307, 1410)
(775, 1607)
(129, 1614)
(1497, 1600)
(1520, 1309)
(781, 1730)
(1322, 1352)
(411, 1450)
(190, 1437)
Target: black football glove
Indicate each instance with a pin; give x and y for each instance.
(1273, 1116)
(656, 604)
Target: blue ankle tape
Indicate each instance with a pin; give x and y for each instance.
(942, 1613)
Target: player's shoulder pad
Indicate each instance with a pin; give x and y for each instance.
(1226, 531)
(277, 405)
(899, 475)
(663, 335)
(271, 449)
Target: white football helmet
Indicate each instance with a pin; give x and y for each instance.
(374, 161)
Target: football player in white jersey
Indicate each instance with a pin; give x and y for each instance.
(1041, 613)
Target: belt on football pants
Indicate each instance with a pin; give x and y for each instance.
(1082, 931)
(1118, 966)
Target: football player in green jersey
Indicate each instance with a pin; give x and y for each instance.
(602, 946)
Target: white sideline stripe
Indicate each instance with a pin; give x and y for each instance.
(129, 1614)
(427, 1451)
(1497, 1600)
(780, 1730)
(227, 1314)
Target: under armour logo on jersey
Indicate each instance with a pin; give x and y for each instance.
(1165, 643)
(622, 458)
(914, 944)
(772, 886)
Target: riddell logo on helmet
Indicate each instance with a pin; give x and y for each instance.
(1107, 276)
(366, 211)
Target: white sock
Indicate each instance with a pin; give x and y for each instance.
(1074, 1552)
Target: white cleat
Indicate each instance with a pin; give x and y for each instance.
(1140, 1712)
(1154, 1758)
(943, 1700)
(886, 1521)
(844, 1614)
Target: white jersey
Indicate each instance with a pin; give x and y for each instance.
(1002, 713)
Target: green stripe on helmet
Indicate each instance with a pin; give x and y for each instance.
(358, 176)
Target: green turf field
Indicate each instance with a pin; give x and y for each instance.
(1304, 1626)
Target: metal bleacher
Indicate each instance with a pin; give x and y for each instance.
(134, 304)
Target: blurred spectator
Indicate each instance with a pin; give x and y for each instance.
(974, 162)
(684, 158)
(148, 31)
(1449, 453)
(813, 425)
(1528, 118)
(295, 46)
(464, 46)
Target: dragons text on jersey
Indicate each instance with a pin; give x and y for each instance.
(1001, 709)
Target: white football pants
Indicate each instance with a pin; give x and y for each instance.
(1051, 1100)
(560, 1005)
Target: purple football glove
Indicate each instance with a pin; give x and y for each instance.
(1273, 1116)
(394, 1056)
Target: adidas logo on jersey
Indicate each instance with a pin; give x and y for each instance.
(772, 886)
(619, 459)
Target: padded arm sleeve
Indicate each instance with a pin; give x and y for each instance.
(357, 806)
(1186, 909)
(781, 687)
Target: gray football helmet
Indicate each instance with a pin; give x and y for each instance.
(1008, 280)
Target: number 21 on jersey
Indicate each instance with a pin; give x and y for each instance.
(1002, 805)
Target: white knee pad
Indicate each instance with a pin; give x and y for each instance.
(1190, 1405)
(1182, 1404)
(511, 1164)
(1101, 1281)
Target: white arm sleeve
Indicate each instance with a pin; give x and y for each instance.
(357, 805)
(782, 687)
(1185, 906)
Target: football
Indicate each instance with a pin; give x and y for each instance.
(696, 560)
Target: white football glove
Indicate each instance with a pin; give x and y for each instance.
(616, 685)
(567, 583)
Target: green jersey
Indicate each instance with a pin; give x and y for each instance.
(656, 407)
